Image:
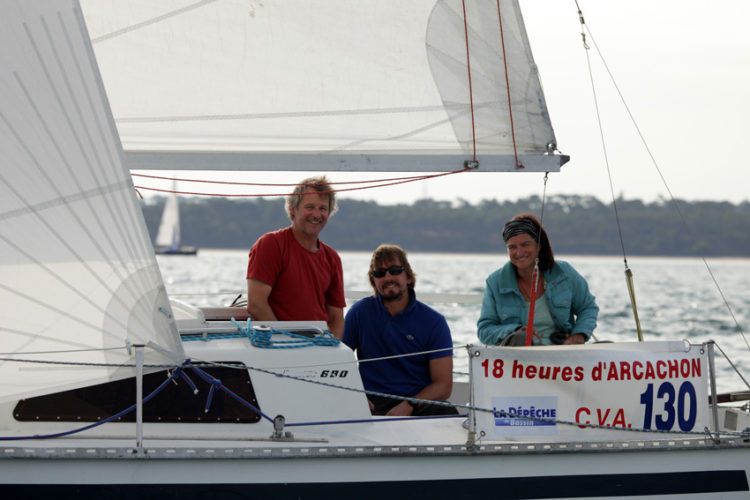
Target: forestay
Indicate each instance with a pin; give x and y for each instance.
(322, 85)
(77, 270)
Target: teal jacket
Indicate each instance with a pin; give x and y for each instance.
(504, 310)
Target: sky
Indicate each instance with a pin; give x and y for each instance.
(683, 68)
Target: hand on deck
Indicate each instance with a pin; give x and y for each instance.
(403, 409)
(576, 338)
(536, 337)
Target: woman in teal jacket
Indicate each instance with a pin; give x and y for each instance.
(565, 311)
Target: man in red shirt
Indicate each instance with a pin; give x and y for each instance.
(291, 274)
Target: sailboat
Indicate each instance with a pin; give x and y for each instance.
(108, 387)
(168, 237)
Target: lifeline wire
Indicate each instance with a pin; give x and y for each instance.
(216, 384)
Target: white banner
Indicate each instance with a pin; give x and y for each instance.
(619, 388)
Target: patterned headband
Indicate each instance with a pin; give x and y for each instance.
(519, 226)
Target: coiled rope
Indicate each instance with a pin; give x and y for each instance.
(263, 338)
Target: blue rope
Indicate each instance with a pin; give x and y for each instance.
(213, 335)
(263, 338)
(216, 383)
(176, 373)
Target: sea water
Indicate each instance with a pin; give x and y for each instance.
(676, 298)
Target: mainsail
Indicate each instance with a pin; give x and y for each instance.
(367, 85)
(322, 85)
(78, 276)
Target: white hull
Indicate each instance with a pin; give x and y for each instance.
(374, 458)
(249, 473)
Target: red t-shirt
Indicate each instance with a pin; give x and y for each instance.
(302, 282)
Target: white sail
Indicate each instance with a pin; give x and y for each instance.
(169, 228)
(267, 86)
(77, 270)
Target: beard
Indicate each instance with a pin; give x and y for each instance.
(391, 294)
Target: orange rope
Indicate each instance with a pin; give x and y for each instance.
(532, 304)
(471, 94)
(404, 180)
(507, 85)
(206, 181)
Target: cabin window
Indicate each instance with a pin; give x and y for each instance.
(175, 403)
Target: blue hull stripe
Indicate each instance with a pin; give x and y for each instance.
(673, 483)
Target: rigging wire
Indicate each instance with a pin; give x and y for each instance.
(628, 272)
(535, 274)
(585, 29)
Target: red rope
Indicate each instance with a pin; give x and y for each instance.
(471, 93)
(404, 180)
(507, 85)
(206, 181)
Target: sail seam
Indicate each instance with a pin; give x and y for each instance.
(64, 200)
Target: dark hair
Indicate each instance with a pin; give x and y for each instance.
(529, 224)
(319, 184)
(390, 252)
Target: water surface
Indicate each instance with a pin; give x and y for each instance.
(676, 297)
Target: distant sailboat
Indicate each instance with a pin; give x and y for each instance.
(168, 237)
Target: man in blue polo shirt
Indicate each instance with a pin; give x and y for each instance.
(393, 322)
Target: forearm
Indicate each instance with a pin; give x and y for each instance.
(584, 308)
(260, 311)
(337, 329)
(441, 380)
(436, 391)
(490, 328)
(490, 331)
(336, 321)
(257, 301)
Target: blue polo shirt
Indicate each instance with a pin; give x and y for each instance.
(373, 333)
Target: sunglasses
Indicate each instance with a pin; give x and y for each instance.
(393, 270)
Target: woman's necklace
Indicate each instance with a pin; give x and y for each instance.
(525, 289)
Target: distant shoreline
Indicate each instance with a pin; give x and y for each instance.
(502, 255)
(577, 225)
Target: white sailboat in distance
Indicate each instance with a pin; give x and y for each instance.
(168, 240)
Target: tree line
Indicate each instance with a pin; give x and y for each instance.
(579, 225)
